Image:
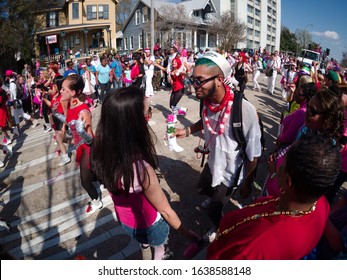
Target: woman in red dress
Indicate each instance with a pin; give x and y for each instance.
(79, 119)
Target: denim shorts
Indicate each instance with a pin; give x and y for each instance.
(155, 235)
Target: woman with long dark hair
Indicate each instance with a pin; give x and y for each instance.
(126, 163)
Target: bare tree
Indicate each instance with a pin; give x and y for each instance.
(170, 21)
(123, 10)
(304, 37)
(229, 29)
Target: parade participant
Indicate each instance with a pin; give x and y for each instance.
(137, 70)
(70, 69)
(128, 171)
(149, 71)
(177, 75)
(287, 227)
(17, 103)
(54, 104)
(273, 67)
(241, 70)
(88, 87)
(103, 78)
(324, 115)
(117, 71)
(3, 116)
(256, 68)
(79, 119)
(218, 176)
(291, 124)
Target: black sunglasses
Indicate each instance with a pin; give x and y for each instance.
(312, 111)
(197, 83)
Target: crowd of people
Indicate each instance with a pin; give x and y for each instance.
(291, 219)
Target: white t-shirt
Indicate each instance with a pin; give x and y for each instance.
(223, 160)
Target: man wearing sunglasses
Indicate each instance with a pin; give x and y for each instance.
(217, 179)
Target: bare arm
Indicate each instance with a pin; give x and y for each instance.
(185, 132)
(156, 196)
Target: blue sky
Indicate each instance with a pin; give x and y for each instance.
(326, 20)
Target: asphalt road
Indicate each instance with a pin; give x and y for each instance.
(45, 203)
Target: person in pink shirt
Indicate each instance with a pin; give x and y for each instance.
(126, 163)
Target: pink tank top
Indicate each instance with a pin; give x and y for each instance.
(134, 210)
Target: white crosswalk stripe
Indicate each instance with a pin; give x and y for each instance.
(61, 230)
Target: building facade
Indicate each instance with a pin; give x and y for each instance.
(263, 20)
(75, 27)
(183, 24)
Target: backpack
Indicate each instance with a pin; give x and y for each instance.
(92, 79)
(238, 131)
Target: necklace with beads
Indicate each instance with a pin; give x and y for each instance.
(224, 108)
(293, 213)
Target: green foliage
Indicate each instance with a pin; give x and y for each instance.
(17, 28)
(288, 41)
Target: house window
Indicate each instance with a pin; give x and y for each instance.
(131, 45)
(250, 9)
(140, 41)
(71, 42)
(91, 12)
(52, 19)
(125, 43)
(137, 17)
(269, 28)
(77, 39)
(256, 33)
(274, 21)
(145, 14)
(103, 11)
(75, 10)
(249, 31)
(257, 22)
(196, 13)
(257, 12)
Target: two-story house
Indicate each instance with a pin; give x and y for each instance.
(184, 24)
(74, 26)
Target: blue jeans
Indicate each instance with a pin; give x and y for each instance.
(117, 85)
(156, 235)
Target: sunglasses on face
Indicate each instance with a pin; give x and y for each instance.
(197, 83)
(313, 111)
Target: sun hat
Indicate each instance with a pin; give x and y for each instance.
(220, 60)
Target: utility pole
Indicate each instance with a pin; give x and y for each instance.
(152, 26)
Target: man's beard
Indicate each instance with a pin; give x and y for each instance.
(212, 90)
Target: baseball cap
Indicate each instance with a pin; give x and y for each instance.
(8, 73)
(220, 60)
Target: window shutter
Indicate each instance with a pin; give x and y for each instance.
(57, 19)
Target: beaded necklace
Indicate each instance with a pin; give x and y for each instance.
(293, 213)
(227, 104)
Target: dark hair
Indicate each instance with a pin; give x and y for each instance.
(313, 163)
(123, 140)
(76, 83)
(308, 90)
(332, 113)
(58, 80)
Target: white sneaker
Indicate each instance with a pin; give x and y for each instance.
(48, 128)
(35, 123)
(94, 205)
(64, 159)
